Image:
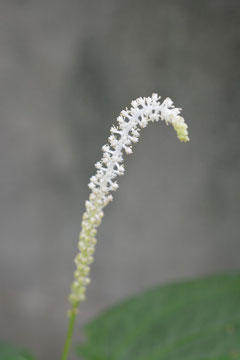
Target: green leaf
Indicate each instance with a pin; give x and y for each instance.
(9, 352)
(194, 320)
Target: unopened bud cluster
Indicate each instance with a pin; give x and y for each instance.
(122, 137)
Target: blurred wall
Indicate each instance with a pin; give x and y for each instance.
(67, 69)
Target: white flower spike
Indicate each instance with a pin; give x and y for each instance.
(130, 122)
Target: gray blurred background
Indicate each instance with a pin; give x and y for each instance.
(67, 68)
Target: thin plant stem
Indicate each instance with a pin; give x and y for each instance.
(68, 341)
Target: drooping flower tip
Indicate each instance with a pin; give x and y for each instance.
(181, 129)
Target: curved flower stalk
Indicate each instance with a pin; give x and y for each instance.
(122, 137)
(130, 122)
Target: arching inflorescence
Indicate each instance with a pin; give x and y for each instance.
(126, 133)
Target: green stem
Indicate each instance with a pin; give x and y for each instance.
(68, 341)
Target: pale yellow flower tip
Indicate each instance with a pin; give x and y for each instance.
(181, 129)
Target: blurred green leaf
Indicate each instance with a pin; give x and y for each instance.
(9, 352)
(194, 320)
